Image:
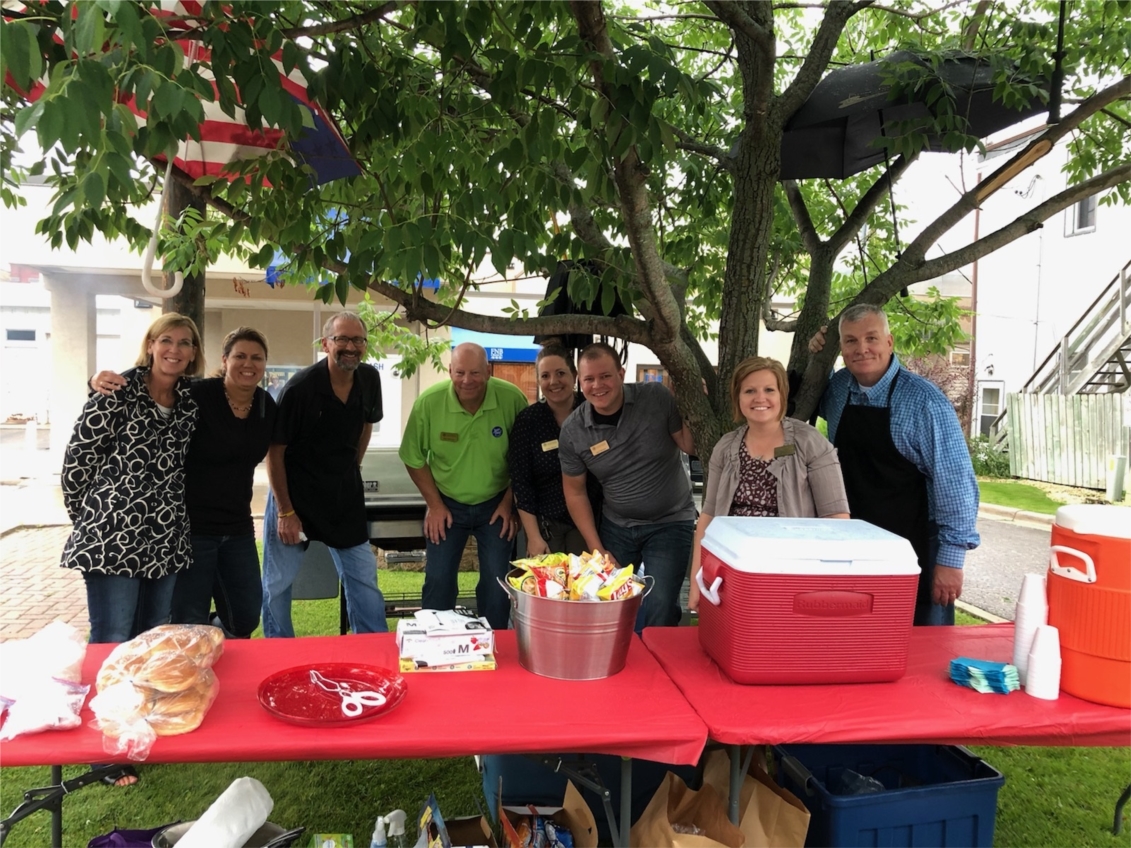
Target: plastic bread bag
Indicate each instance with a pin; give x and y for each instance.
(157, 684)
(40, 688)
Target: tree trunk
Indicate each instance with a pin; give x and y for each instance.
(190, 301)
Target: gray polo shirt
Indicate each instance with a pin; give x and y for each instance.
(641, 473)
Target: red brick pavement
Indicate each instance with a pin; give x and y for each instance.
(34, 590)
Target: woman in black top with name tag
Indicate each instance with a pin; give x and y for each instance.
(232, 434)
(536, 475)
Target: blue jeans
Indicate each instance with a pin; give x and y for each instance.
(441, 563)
(664, 551)
(227, 568)
(122, 607)
(357, 569)
(927, 613)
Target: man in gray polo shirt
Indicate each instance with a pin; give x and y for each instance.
(629, 438)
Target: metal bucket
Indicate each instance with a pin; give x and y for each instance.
(572, 640)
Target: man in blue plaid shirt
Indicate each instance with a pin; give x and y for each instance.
(904, 458)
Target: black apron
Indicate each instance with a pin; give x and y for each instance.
(883, 486)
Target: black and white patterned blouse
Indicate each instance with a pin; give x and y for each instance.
(123, 483)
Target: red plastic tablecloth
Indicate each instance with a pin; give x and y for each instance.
(637, 713)
(923, 706)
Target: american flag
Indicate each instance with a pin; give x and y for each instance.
(225, 140)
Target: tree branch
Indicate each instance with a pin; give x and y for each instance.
(735, 16)
(629, 175)
(821, 50)
(867, 204)
(346, 24)
(801, 217)
(1034, 150)
(692, 145)
(1022, 225)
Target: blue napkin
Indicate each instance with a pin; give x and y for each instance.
(984, 676)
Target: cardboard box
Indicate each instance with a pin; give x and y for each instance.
(471, 831)
(486, 663)
(416, 640)
(574, 814)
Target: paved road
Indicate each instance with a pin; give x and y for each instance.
(994, 570)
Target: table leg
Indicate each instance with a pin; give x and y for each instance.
(1117, 822)
(735, 782)
(625, 800)
(51, 798)
(586, 774)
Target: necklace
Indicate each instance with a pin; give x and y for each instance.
(234, 406)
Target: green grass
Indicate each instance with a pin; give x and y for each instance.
(1052, 796)
(1017, 496)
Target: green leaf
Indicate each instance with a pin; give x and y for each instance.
(90, 30)
(29, 117)
(94, 187)
(20, 53)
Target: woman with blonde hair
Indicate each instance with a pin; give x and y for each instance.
(123, 485)
(770, 465)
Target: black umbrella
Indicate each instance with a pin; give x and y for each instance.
(835, 132)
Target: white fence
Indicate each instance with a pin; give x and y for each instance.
(1066, 439)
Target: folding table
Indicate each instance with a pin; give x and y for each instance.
(444, 714)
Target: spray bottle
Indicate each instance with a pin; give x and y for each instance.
(396, 829)
(378, 840)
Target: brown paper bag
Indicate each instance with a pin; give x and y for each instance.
(771, 817)
(674, 803)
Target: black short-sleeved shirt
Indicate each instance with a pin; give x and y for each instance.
(536, 474)
(220, 467)
(322, 434)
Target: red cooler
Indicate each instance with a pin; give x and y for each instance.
(806, 600)
(1089, 592)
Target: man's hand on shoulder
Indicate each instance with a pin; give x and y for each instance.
(106, 382)
(817, 343)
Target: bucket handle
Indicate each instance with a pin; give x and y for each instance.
(1067, 570)
(711, 594)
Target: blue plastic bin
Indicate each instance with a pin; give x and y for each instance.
(935, 795)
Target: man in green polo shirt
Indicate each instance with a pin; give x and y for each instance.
(455, 450)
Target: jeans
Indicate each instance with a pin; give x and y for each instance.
(121, 607)
(227, 568)
(662, 551)
(927, 613)
(357, 569)
(441, 563)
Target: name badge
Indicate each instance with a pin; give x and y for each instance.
(599, 448)
(550, 445)
(785, 450)
(449, 437)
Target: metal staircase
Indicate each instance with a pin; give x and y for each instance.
(1093, 357)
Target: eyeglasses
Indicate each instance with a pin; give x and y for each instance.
(356, 341)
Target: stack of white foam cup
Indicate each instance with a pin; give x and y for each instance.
(1032, 611)
(1043, 678)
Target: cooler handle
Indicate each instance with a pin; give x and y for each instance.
(1067, 570)
(797, 772)
(711, 594)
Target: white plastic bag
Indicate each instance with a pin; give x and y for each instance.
(41, 686)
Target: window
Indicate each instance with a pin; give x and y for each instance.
(960, 358)
(652, 374)
(991, 408)
(19, 335)
(1081, 217)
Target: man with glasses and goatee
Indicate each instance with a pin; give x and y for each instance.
(325, 417)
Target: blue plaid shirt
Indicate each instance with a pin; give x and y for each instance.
(925, 431)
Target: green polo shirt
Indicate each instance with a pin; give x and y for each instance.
(466, 453)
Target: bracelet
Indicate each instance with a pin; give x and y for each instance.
(286, 514)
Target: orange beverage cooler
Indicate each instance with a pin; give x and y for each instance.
(1089, 594)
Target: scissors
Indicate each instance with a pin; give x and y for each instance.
(353, 703)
